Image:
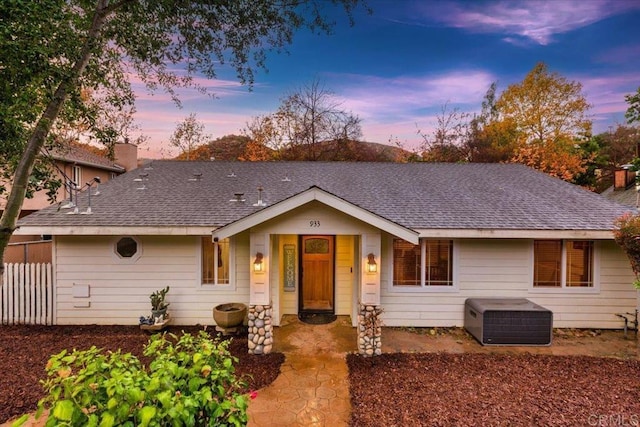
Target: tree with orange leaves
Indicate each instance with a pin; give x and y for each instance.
(549, 118)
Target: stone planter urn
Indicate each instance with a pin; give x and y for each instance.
(229, 315)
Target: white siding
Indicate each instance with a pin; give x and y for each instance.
(502, 268)
(119, 289)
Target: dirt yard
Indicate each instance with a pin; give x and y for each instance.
(24, 351)
(427, 377)
(443, 377)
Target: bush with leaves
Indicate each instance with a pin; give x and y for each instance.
(627, 235)
(189, 382)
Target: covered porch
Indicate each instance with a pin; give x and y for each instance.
(314, 253)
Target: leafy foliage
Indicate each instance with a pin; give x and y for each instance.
(189, 382)
(627, 235)
(188, 135)
(545, 106)
(54, 51)
(633, 112)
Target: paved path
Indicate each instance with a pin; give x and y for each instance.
(312, 388)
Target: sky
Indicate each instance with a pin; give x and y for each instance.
(397, 67)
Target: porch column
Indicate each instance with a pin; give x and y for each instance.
(369, 309)
(260, 328)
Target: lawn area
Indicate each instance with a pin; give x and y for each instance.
(24, 351)
(473, 389)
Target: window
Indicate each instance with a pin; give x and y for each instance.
(563, 264)
(76, 176)
(429, 263)
(128, 248)
(215, 262)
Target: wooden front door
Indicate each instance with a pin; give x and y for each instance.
(316, 274)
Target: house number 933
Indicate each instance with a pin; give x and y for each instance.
(314, 223)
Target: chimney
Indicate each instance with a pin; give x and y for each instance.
(126, 155)
(623, 179)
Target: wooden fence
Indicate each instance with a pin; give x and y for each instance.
(26, 297)
(38, 251)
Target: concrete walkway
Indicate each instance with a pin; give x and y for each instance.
(312, 388)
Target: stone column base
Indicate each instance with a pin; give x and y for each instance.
(260, 329)
(369, 330)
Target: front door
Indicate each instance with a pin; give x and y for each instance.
(316, 274)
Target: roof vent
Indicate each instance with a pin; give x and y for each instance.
(71, 186)
(239, 197)
(231, 175)
(196, 177)
(286, 179)
(141, 178)
(260, 202)
(97, 181)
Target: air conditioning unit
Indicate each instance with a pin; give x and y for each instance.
(508, 321)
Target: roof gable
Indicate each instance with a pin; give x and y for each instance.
(318, 194)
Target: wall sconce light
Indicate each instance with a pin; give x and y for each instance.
(257, 264)
(372, 267)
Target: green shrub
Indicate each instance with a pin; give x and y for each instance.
(189, 382)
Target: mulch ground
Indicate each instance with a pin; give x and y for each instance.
(439, 389)
(24, 351)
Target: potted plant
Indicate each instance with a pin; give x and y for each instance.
(158, 304)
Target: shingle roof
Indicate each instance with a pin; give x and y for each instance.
(414, 195)
(627, 197)
(75, 154)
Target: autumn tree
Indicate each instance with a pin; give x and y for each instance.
(491, 139)
(309, 123)
(52, 49)
(548, 115)
(188, 135)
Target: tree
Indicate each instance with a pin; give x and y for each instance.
(633, 112)
(548, 116)
(447, 143)
(308, 124)
(189, 134)
(52, 49)
(545, 106)
(559, 159)
(491, 140)
(615, 148)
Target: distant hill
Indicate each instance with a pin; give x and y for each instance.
(238, 147)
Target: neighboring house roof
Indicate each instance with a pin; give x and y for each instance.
(627, 197)
(78, 155)
(425, 197)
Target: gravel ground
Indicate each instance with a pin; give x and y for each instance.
(24, 351)
(440, 389)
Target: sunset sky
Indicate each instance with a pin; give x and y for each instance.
(396, 68)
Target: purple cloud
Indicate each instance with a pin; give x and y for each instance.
(537, 21)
